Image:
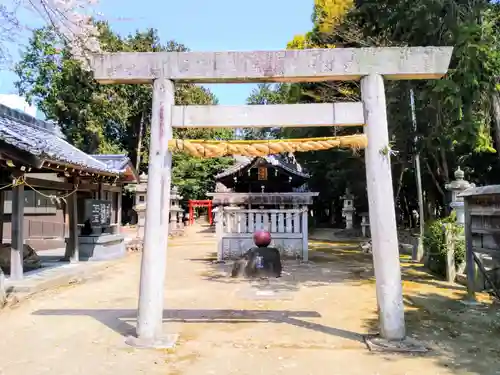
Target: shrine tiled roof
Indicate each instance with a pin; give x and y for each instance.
(41, 139)
(119, 162)
(275, 160)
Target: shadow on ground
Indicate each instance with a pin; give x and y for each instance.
(328, 264)
(123, 321)
(462, 338)
(206, 228)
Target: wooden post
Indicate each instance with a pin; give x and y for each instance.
(210, 212)
(17, 242)
(2, 207)
(101, 191)
(3, 291)
(119, 211)
(305, 234)
(191, 214)
(72, 250)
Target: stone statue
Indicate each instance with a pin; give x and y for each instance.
(260, 261)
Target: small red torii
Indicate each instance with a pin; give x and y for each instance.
(200, 203)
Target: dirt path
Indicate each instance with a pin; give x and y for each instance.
(225, 329)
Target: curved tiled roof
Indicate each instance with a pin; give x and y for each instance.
(40, 139)
(275, 160)
(120, 162)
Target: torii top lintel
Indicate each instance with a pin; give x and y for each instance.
(272, 66)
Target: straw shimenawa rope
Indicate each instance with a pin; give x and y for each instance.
(211, 148)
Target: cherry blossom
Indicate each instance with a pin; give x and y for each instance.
(73, 20)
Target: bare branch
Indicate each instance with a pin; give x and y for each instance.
(72, 19)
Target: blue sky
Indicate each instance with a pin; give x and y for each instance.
(204, 25)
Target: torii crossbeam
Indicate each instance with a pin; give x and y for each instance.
(368, 65)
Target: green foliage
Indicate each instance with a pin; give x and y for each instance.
(455, 121)
(112, 118)
(454, 114)
(195, 176)
(435, 243)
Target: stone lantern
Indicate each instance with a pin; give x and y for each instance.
(456, 187)
(348, 209)
(176, 226)
(365, 224)
(140, 204)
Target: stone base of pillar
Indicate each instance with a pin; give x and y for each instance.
(376, 343)
(165, 342)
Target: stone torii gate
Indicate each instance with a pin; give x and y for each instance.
(368, 65)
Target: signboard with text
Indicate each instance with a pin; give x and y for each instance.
(98, 212)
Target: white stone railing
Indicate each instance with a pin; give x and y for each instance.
(235, 228)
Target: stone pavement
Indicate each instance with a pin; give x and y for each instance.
(316, 329)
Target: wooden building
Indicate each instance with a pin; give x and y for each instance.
(46, 184)
(267, 193)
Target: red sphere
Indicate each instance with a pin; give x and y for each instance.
(262, 238)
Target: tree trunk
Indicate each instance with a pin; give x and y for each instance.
(139, 143)
(444, 161)
(400, 181)
(436, 182)
(495, 100)
(408, 212)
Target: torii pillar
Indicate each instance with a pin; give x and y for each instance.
(368, 65)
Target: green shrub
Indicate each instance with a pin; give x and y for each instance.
(435, 243)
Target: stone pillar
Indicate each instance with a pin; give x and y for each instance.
(348, 209)
(381, 210)
(305, 235)
(140, 205)
(232, 220)
(154, 254)
(456, 187)
(219, 231)
(17, 239)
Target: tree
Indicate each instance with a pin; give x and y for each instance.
(111, 118)
(455, 113)
(458, 116)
